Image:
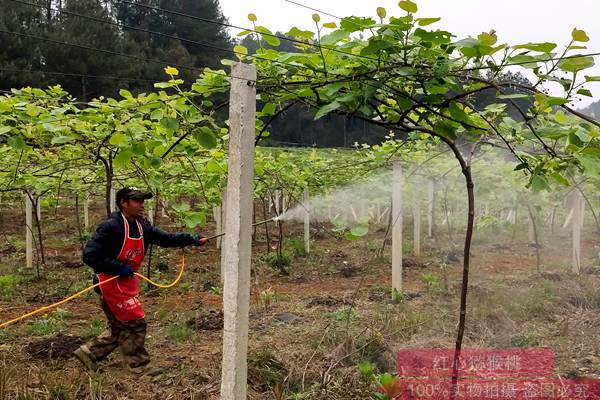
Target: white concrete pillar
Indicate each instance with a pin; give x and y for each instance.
(113, 198)
(28, 232)
(417, 227)
(430, 206)
(238, 240)
(306, 201)
(151, 214)
(576, 232)
(397, 228)
(38, 209)
(223, 227)
(217, 214)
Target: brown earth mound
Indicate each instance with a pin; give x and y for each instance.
(59, 346)
(210, 321)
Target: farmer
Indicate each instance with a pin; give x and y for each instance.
(117, 248)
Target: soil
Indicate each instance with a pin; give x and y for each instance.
(334, 322)
(57, 347)
(208, 321)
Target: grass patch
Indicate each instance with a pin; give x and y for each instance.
(180, 332)
(93, 329)
(45, 326)
(8, 286)
(344, 314)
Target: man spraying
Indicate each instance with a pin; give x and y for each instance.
(117, 248)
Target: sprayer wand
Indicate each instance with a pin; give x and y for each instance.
(256, 224)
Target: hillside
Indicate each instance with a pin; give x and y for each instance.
(593, 109)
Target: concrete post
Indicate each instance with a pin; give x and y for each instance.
(417, 227)
(218, 224)
(397, 228)
(223, 226)
(38, 209)
(238, 240)
(306, 202)
(430, 208)
(113, 198)
(28, 231)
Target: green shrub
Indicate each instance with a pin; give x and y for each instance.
(95, 328)
(8, 286)
(180, 332)
(432, 283)
(45, 326)
(277, 262)
(297, 246)
(524, 339)
(344, 314)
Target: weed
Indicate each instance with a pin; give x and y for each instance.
(524, 339)
(264, 368)
(432, 283)
(59, 392)
(344, 314)
(61, 314)
(297, 246)
(8, 286)
(367, 370)
(276, 261)
(95, 328)
(267, 297)
(186, 286)
(45, 326)
(180, 332)
(216, 290)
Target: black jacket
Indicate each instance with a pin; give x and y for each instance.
(102, 250)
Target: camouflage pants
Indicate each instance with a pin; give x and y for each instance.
(128, 335)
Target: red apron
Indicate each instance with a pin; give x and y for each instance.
(122, 294)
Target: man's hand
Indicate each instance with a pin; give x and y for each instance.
(126, 271)
(199, 240)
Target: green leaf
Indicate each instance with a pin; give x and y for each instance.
(123, 158)
(446, 129)
(16, 142)
(156, 162)
(139, 148)
(579, 35)
(316, 18)
(252, 17)
(590, 164)
(560, 179)
(181, 207)
(585, 92)
(194, 219)
(61, 139)
(539, 183)
(205, 137)
(334, 37)
(488, 39)
(268, 36)
(126, 94)
(268, 109)
(381, 13)
(213, 166)
(408, 6)
(576, 64)
(240, 51)
(592, 78)
(330, 25)
(326, 109)
(360, 230)
(5, 129)
(117, 139)
(295, 32)
(545, 47)
(170, 123)
(427, 21)
(353, 24)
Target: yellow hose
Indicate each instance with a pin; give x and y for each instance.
(51, 306)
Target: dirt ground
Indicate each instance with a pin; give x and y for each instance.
(308, 329)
